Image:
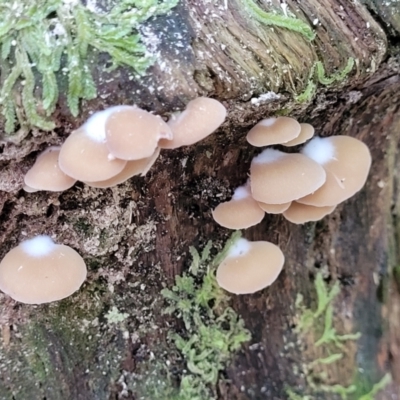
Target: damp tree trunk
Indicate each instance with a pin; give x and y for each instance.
(135, 237)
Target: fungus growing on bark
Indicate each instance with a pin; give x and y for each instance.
(133, 133)
(241, 212)
(346, 161)
(306, 133)
(201, 117)
(274, 208)
(250, 266)
(299, 213)
(273, 131)
(46, 174)
(39, 271)
(278, 178)
(132, 168)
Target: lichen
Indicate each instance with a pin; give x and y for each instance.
(46, 38)
(213, 331)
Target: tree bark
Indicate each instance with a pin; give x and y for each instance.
(135, 237)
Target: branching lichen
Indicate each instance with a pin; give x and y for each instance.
(213, 330)
(41, 39)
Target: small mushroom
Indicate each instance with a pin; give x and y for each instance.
(133, 134)
(278, 178)
(39, 271)
(46, 174)
(250, 266)
(201, 117)
(306, 133)
(299, 213)
(273, 131)
(132, 168)
(274, 208)
(241, 212)
(347, 162)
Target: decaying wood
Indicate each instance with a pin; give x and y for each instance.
(135, 237)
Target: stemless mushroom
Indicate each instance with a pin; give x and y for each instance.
(201, 117)
(299, 213)
(133, 133)
(85, 155)
(274, 208)
(278, 178)
(39, 271)
(250, 266)
(46, 174)
(306, 133)
(273, 131)
(346, 161)
(241, 212)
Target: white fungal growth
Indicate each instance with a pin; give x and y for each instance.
(242, 192)
(240, 248)
(39, 246)
(268, 156)
(321, 150)
(268, 121)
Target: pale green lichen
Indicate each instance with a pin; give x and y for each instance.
(114, 316)
(213, 330)
(44, 38)
(274, 19)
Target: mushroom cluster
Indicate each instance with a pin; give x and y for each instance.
(117, 143)
(304, 187)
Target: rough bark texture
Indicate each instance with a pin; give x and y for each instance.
(135, 238)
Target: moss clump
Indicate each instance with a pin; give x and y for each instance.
(42, 38)
(213, 330)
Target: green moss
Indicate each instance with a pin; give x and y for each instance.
(42, 39)
(282, 21)
(213, 330)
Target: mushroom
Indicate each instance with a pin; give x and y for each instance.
(132, 168)
(278, 178)
(201, 117)
(250, 266)
(85, 155)
(347, 162)
(39, 271)
(274, 208)
(273, 131)
(306, 133)
(299, 213)
(46, 174)
(133, 133)
(241, 212)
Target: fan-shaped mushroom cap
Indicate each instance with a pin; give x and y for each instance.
(132, 168)
(241, 212)
(273, 131)
(250, 266)
(39, 271)
(28, 189)
(46, 174)
(346, 161)
(133, 134)
(274, 208)
(201, 117)
(278, 178)
(306, 133)
(299, 213)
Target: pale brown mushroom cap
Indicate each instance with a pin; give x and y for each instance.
(87, 159)
(28, 189)
(250, 267)
(241, 212)
(271, 131)
(39, 271)
(278, 178)
(306, 133)
(133, 134)
(274, 208)
(347, 162)
(201, 117)
(299, 213)
(132, 168)
(46, 174)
